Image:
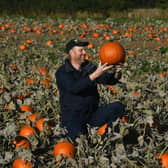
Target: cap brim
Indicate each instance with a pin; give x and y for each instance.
(82, 43)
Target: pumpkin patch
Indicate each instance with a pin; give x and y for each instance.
(30, 131)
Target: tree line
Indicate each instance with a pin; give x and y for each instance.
(72, 6)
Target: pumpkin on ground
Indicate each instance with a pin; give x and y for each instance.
(26, 131)
(39, 124)
(26, 108)
(102, 129)
(65, 148)
(21, 142)
(21, 163)
(112, 53)
(164, 159)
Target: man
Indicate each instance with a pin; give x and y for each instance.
(77, 81)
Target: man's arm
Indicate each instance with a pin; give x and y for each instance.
(101, 75)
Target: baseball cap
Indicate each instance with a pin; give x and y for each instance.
(75, 42)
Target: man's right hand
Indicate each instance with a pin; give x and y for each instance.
(100, 70)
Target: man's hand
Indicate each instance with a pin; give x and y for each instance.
(100, 70)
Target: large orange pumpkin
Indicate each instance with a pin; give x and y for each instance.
(21, 163)
(112, 53)
(65, 148)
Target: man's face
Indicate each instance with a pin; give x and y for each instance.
(77, 54)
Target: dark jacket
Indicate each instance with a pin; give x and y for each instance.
(79, 97)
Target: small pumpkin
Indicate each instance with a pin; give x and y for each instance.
(102, 129)
(21, 163)
(33, 117)
(45, 82)
(30, 81)
(65, 148)
(39, 124)
(26, 131)
(26, 108)
(14, 67)
(164, 159)
(114, 91)
(21, 142)
(112, 53)
(43, 71)
(22, 47)
(124, 119)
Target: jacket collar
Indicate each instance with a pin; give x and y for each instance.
(70, 68)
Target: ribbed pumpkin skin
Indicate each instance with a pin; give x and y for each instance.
(65, 148)
(112, 53)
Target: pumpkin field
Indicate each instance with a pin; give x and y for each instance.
(31, 50)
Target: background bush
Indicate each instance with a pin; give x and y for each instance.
(28, 7)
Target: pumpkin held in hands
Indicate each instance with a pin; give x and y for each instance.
(112, 53)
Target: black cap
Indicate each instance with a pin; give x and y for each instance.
(75, 42)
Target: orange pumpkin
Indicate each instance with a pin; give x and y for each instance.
(45, 82)
(1, 90)
(7, 106)
(28, 41)
(39, 124)
(164, 159)
(114, 91)
(102, 129)
(65, 148)
(132, 53)
(90, 45)
(43, 71)
(96, 35)
(21, 142)
(49, 43)
(22, 47)
(33, 117)
(30, 81)
(26, 108)
(116, 31)
(112, 53)
(20, 97)
(14, 67)
(26, 131)
(21, 163)
(124, 119)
